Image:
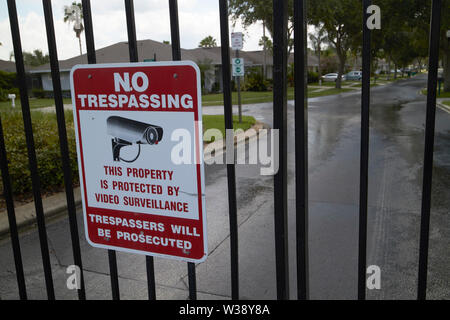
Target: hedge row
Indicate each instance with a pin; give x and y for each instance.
(47, 147)
(7, 84)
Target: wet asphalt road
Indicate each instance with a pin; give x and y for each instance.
(395, 180)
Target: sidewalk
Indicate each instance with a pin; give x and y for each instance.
(440, 104)
(26, 214)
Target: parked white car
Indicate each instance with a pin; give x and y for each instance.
(330, 77)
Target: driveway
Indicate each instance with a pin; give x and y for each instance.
(395, 181)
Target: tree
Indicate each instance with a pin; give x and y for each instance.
(74, 13)
(404, 35)
(423, 22)
(252, 11)
(205, 67)
(341, 19)
(267, 43)
(317, 39)
(35, 58)
(208, 42)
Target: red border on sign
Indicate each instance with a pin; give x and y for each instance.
(152, 240)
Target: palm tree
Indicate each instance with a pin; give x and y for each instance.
(208, 42)
(74, 13)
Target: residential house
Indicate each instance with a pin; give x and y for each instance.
(149, 50)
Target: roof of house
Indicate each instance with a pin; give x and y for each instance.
(147, 49)
(7, 66)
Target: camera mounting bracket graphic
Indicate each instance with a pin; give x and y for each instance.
(117, 144)
(127, 132)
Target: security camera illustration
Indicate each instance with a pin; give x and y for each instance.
(127, 132)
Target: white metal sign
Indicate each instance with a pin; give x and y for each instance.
(236, 41)
(139, 194)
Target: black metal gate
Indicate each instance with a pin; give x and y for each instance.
(280, 122)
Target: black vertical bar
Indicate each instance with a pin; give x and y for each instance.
(192, 281)
(433, 59)
(15, 32)
(231, 172)
(114, 274)
(151, 283)
(280, 124)
(134, 57)
(131, 29)
(90, 45)
(176, 56)
(87, 18)
(364, 156)
(174, 30)
(7, 192)
(59, 105)
(301, 148)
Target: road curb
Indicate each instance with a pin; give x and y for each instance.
(443, 106)
(220, 146)
(53, 206)
(56, 204)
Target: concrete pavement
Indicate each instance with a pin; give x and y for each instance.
(396, 155)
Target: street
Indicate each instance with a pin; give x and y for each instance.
(397, 123)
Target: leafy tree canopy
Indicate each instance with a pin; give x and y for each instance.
(35, 58)
(208, 42)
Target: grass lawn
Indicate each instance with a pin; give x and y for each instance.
(248, 97)
(442, 95)
(34, 103)
(447, 103)
(324, 84)
(216, 99)
(218, 122)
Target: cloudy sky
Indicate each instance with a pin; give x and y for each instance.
(198, 19)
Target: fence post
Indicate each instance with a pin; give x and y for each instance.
(7, 192)
(364, 155)
(134, 57)
(32, 161)
(231, 172)
(89, 34)
(301, 148)
(64, 147)
(280, 123)
(433, 60)
(176, 56)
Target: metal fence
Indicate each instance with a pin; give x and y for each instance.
(280, 18)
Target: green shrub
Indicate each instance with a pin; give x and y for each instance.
(7, 80)
(254, 81)
(46, 139)
(215, 87)
(7, 84)
(313, 77)
(38, 93)
(3, 95)
(5, 92)
(290, 75)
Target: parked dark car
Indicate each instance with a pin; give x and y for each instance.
(353, 75)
